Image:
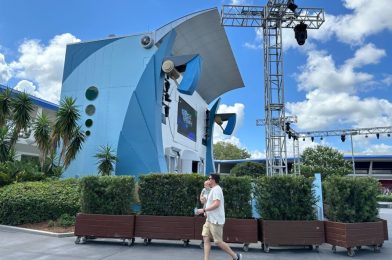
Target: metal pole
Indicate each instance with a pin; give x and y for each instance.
(352, 153)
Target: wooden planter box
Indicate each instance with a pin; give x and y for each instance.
(291, 233)
(89, 226)
(354, 235)
(242, 231)
(164, 227)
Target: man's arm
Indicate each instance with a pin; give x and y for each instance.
(215, 204)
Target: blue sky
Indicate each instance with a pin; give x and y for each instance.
(341, 78)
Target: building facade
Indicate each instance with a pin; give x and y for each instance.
(153, 97)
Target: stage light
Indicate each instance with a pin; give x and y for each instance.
(366, 136)
(292, 6)
(321, 138)
(167, 97)
(312, 139)
(167, 108)
(289, 135)
(287, 126)
(343, 138)
(300, 33)
(167, 85)
(378, 135)
(303, 139)
(389, 135)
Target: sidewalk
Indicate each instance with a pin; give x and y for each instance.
(20, 245)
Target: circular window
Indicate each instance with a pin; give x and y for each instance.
(88, 133)
(91, 93)
(88, 122)
(90, 110)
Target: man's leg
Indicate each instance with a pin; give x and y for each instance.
(207, 247)
(225, 247)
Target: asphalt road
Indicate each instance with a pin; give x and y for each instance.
(18, 245)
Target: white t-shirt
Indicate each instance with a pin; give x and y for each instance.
(216, 216)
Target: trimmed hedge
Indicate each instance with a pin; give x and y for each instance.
(285, 198)
(33, 202)
(178, 194)
(111, 195)
(237, 193)
(351, 199)
(384, 198)
(170, 194)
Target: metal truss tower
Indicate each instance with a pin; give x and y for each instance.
(272, 18)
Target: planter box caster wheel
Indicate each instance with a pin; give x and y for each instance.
(266, 249)
(334, 249)
(201, 244)
(314, 247)
(77, 240)
(350, 251)
(376, 249)
(186, 243)
(129, 242)
(147, 241)
(245, 247)
(358, 247)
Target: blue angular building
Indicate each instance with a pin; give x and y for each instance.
(153, 97)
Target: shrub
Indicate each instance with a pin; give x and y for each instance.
(237, 193)
(4, 179)
(66, 220)
(384, 198)
(285, 198)
(252, 169)
(170, 194)
(351, 199)
(111, 195)
(33, 202)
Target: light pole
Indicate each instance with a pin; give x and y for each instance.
(352, 151)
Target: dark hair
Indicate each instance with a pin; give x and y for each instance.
(216, 177)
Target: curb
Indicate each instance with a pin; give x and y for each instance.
(37, 232)
(384, 205)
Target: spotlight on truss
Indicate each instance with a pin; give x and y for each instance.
(301, 33)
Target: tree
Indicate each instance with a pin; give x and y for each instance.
(106, 159)
(252, 169)
(227, 151)
(42, 131)
(67, 132)
(324, 160)
(22, 107)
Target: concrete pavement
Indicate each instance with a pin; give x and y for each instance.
(20, 245)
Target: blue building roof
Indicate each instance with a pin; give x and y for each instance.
(38, 101)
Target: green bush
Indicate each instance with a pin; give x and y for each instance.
(285, 198)
(252, 169)
(111, 195)
(384, 198)
(66, 220)
(4, 179)
(351, 199)
(170, 194)
(237, 193)
(33, 202)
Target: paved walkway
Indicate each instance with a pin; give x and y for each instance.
(17, 245)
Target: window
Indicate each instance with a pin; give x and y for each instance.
(90, 110)
(88, 122)
(92, 93)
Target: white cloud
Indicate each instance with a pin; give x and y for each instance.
(5, 70)
(43, 65)
(28, 87)
(378, 149)
(256, 154)
(331, 99)
(387, 79)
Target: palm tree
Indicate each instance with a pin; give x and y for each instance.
(5, 106)
(65, 125)
(42, 131)
(106, 159)
(4, 144)
(22, 106)
(75, 145)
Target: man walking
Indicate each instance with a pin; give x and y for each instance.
(215, 211)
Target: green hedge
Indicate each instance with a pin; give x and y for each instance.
(384, 198)
(170, 194)
(285, 198)
(178, 194)
(33, 202)
(351, 199)
(112, 195)
(237, 192)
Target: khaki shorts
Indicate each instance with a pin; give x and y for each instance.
(213, 231)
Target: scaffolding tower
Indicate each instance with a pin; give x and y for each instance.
(272, 18)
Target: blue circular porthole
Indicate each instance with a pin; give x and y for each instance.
(88, 133)
(88, 122)
(90, 110)
(92, 93)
